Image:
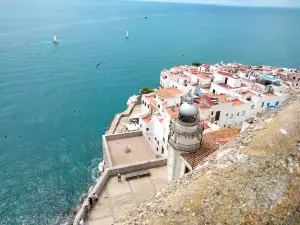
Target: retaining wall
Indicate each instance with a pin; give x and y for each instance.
(118, 117)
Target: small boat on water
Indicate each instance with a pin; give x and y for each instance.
(127, 35)
(146, 17)
(55, 40)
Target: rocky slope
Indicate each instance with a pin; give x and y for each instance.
(254, 181)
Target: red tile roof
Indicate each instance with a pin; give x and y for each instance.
(236, 102)
(270, 94)
(206, 126)
(148, 118)
(248, 93)
(173, 112)
(181, 75)
(202, 76)
(221, 98)
(209, 145)
(150, 98)
(228, 75)
(167, 92)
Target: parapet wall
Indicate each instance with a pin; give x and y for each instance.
(110, 137)
(118, 117)
(122, 169)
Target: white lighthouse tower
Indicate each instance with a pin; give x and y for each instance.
(184, 137)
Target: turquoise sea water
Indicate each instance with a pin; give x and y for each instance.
(48, 153)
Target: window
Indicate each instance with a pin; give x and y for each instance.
(162, 150)
(294, 78)
(231, 115)
(262, 105)
(243, 113)
(155, 138)
(156, 149)
(238, 114)
(143, 102)
(158, 142)
(140, 125)
(298, 79)
(149, 139)
(226, 114)
(164, 140)
(218, 115)
(154, 96)
(224, 125)
(158, 106)
(212, 113)
(147, 129)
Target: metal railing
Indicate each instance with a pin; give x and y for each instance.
(182, 147)
(190, 131)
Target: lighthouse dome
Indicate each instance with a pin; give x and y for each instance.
(188, 110)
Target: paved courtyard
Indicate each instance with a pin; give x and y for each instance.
(140, 150)
(121, 197)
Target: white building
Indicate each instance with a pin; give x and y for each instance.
(229, 95)
(152, 122)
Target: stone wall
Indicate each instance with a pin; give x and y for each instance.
(133, 167)
(111, 137)
(118, 117)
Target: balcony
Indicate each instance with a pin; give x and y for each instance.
(190, 131)
(186, 148)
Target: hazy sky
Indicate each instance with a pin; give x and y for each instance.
(272, 3)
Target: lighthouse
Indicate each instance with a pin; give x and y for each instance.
(185, 136)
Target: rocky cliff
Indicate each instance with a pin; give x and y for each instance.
(256, 180)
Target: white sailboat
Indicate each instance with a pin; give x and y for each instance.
(127, 35)
(55, 40)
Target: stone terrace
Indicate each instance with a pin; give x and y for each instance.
(117, 198)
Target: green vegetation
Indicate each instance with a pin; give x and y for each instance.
(197, 64)
(146, 90)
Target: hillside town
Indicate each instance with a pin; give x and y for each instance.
(169, 131)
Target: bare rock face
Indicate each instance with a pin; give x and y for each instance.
(256, 180)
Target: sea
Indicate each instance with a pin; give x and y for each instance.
(55, 105)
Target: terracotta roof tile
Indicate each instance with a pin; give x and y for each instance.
(148, 118)
(209, 145)
(270, 94)
(167, 92)
(173, 112)
(236, 102)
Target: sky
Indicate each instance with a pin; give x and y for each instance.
(262, 3)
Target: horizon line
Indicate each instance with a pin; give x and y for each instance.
(211, 4)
